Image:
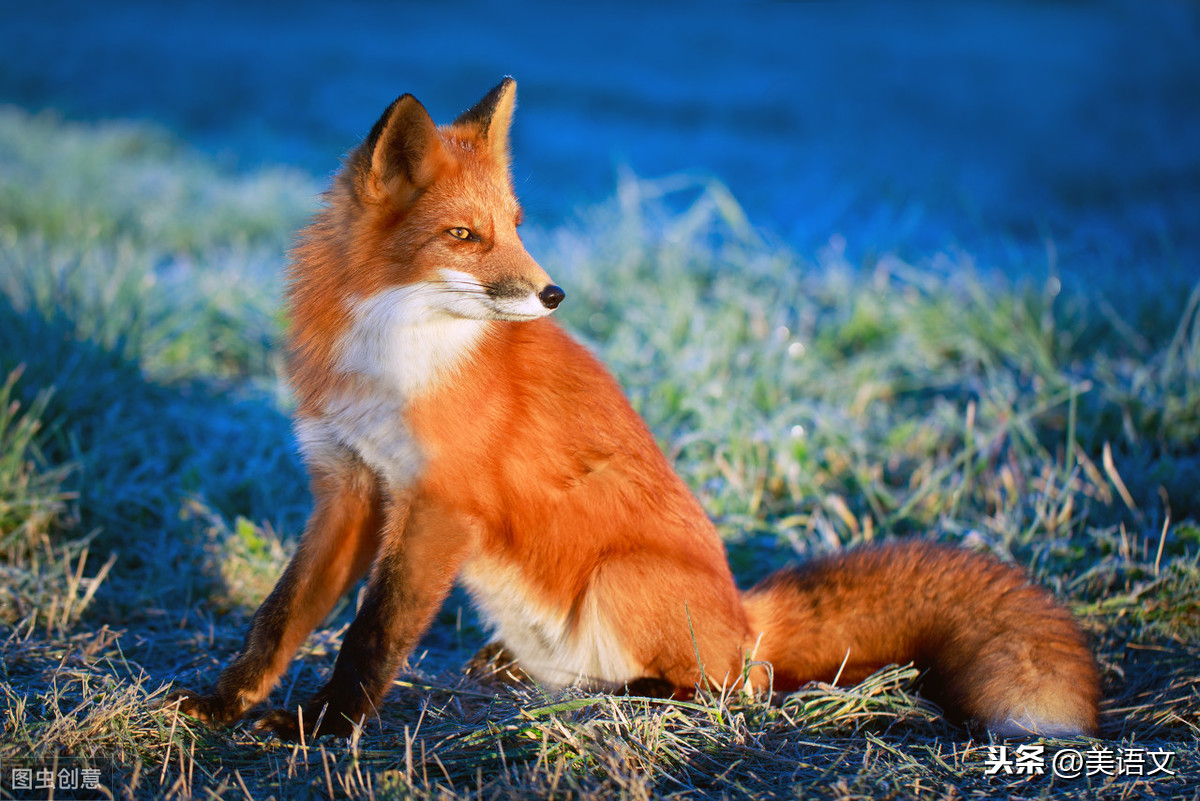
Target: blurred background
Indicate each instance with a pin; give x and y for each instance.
(1034, 136)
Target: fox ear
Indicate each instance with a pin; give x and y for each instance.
(491, 118)
(403, 153)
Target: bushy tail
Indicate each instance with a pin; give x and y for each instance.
(995, 648)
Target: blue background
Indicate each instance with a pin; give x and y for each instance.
(990, 127)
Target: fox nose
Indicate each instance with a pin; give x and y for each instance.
(551, 296)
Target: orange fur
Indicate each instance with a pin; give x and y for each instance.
(498, 450)
(995, 648)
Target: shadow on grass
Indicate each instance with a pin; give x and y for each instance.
(142, 449)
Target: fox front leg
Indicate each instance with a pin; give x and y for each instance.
(421, 553)
(339, 542)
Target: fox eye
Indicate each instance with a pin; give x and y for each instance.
(461, 233)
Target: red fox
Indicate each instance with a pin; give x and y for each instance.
(451, 431)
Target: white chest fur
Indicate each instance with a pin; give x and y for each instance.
(401, 343)
(405, 340)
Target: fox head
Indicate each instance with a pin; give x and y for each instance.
(436, 207)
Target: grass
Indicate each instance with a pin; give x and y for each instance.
(149, 492)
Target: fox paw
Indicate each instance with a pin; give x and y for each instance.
(209, 709)
(495, 664)
(283, 724)
(286, 725)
